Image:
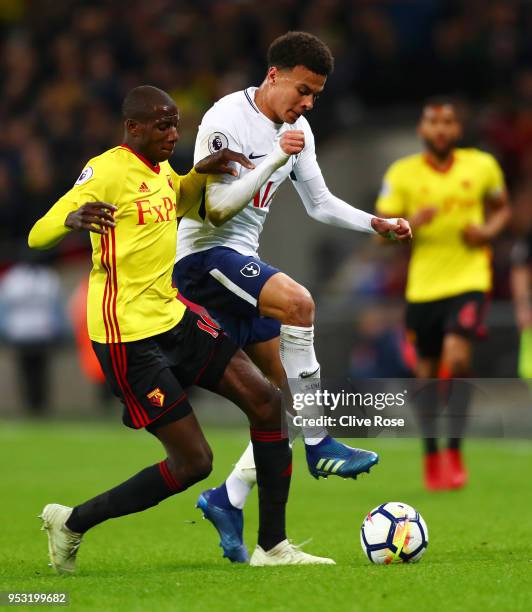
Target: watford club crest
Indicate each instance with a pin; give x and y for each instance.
(156, 398)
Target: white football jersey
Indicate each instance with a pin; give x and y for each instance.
(236, 122)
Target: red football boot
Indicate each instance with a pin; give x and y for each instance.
(434, 475)
(455, 471)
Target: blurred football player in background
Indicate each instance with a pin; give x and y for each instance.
(456, 202)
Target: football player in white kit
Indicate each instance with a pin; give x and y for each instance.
(217, 265)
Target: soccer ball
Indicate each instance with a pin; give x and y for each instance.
(394, 533)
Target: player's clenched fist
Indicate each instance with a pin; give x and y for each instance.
(93, 216)
(398, 230)
(292, 142)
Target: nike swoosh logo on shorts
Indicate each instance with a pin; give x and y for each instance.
(251, 156)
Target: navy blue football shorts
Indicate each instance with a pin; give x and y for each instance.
(227, 284)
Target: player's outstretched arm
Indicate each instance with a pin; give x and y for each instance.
(82, 208)
(191, 186)
(323, 206)
(225, 200)
(64, 217)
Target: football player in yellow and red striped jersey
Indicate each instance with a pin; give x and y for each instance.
(151, 348)
(456, 202)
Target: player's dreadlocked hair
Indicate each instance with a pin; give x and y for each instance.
(301, 49)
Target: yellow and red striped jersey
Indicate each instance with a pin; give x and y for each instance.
(130, 287)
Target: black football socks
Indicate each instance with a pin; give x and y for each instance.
(457, 411)
(273, 460)
(142, 491)
(427, 406)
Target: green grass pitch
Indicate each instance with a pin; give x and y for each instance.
(479, 556)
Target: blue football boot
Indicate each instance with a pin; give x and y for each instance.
(332, 458)
(229, 523)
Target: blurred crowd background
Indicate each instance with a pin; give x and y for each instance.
(65, 67)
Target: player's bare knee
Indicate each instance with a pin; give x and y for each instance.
(457, 355)
(200, 467)
(459, 366)
(300, 307)
(191, 469)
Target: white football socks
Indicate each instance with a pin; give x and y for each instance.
(242, 479)
(302, 370)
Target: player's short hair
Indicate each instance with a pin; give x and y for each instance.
(140, 102)
(440, 100)
(301, 49)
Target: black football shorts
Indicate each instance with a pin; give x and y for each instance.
(428, 322)
(150, 376)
